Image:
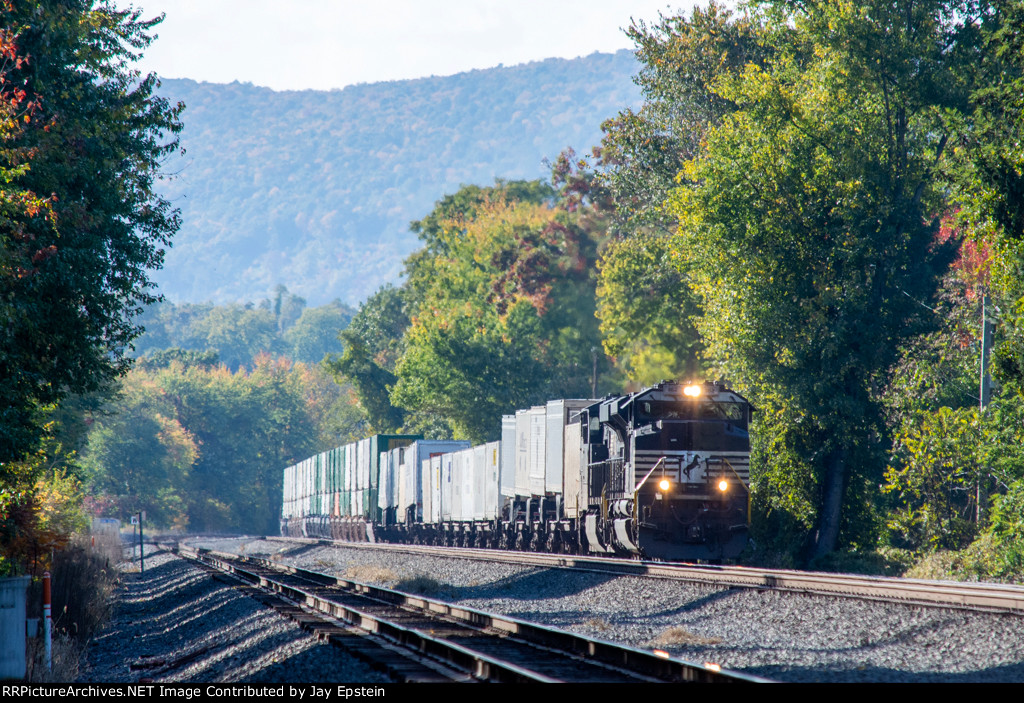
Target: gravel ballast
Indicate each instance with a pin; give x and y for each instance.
(784, 636)
(174, 623)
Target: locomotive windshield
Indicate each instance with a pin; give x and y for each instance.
(654, 410)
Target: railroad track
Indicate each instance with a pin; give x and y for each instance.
(428, 640)
(986, 597)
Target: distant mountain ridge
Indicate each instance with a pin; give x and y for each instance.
(315, 189)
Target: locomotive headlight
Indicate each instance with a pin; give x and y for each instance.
(664, 484)
(692, 391)
(723, 485)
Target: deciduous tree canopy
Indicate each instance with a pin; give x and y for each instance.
(82, 136)
(804, 155)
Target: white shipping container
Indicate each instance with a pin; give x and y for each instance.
(522, 453)
(385, 497)
(538, 449)
(350, 462)
(478, 482)
(365, 467)
(461, 468)
(446, 487)
(492, 472)
(574, 474)
(411, 484)
(426, 497)
(432, 489)
(405, 478)
(508, 456)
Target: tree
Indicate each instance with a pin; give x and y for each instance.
(991, 174)
(504, 315)
(646, 310)
(238, 334)
(644, 298)
(140, 455)
(198, 445)
(470, 366)
(808, 221)
(286, 308)
(81, 224)
(372, 344)
(316, 332)
(464, 204)
(937, 476)
(497, 311)
(681, 61)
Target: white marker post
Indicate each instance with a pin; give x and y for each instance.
(142, 548)
(47, 620)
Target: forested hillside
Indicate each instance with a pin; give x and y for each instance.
(315, 190)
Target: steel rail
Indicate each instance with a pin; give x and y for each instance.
(988, 597)
(625, 663)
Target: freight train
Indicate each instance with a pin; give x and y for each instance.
(662, 473)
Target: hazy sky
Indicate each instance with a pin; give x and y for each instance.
(323, 44)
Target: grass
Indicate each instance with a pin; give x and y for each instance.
(680, 636)
(369, 573)
(65, 656)
(421, 584)
(983, 560)
(82, 581)
(83, 578)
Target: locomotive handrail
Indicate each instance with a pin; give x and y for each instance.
(636, 502)
(739, 481)
(642, 482)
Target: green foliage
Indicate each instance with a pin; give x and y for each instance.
(74, 270)
(239, 333)
(497, 311)
(41, 506)
(140, 454)
(645, 303)
(316, 332)
(938, 368)
(372, 384)
(783, 484)
(681, 60)
(285, 307)
(984, 560)
(990, 175)
(434, 229)
(803, 223)
(379, 325)
(936, 473)
(202, 447)
(60, 499)
(504, 307)
(166, 357)
(1007, 523)
(169, 326)
(373, 342)
(646, 310)
(471, 366)
(948, 455)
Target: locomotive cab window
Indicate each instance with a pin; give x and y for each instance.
(652, 410)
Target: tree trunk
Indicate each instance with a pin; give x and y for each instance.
(831, 505)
